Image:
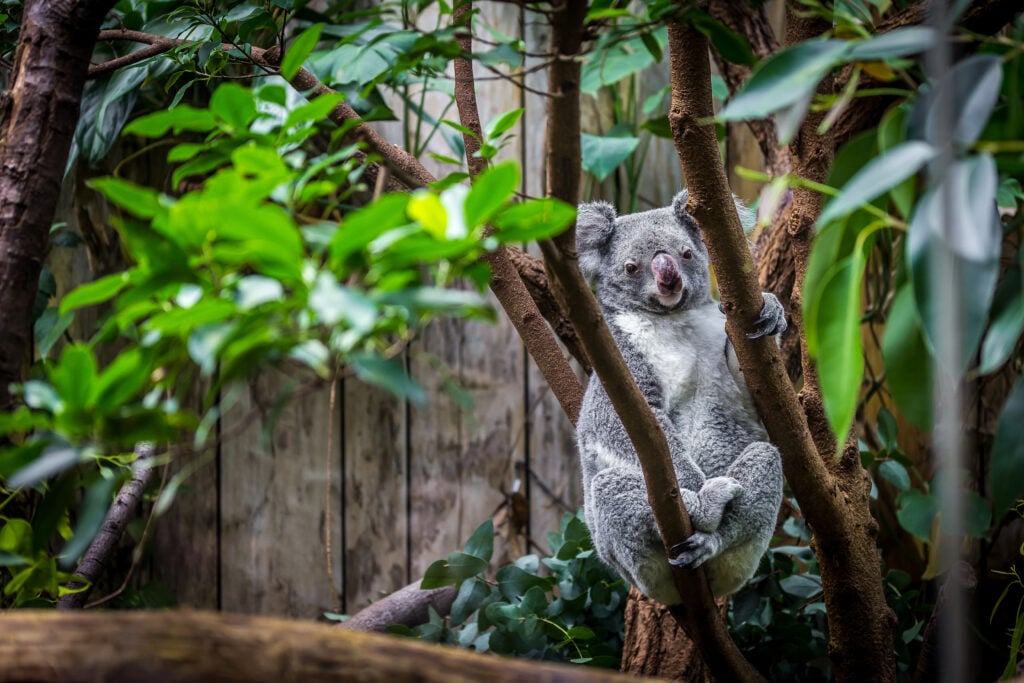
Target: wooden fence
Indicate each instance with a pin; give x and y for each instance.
(345, 500)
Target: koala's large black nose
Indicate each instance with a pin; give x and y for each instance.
(666, 273)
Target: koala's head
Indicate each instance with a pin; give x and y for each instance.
(653, 260)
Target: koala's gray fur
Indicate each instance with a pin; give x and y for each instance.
(672, 336)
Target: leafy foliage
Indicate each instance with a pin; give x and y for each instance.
(566, 606)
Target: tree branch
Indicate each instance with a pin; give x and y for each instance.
(698, 614)
(409, 606)
(190, 646)
(94, 561)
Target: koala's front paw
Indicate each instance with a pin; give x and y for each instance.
(696, 550)
(772, 320)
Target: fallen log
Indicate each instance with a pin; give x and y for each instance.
(185, 645)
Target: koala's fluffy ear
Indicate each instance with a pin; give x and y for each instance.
(595, 223)
(747, 217)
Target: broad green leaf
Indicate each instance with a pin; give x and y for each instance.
(514, 582)
(800, 586)
(182, 117)
(1006, 467)
(1007, 321)
(491, 190)
(602, 155)
(255, 290)
(144, 202)
(234, 105)
(52, 511)
(877, 177)
(426, 208)
(900, 42)
(891, 133)
(620, 60)
(50, 327)
(299, 50)
(333, 303)
(16, 536)
(74, 377)
(916, 513)
(733, 46)
(362, 227)
(888, 430)
(470, 598)
(122, 379)
(535, 219)
(967, 93)
(972, 250)
(496, 127)
(314, 111)
(784, 79)
(908, 366)
(458, 567)
(90, 518)
(54, 459)
(42, 396)
(94, 292)
(387, 374)
(895, 473)
(481, 543)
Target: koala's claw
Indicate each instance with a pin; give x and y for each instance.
(772, 320)
(695, 550)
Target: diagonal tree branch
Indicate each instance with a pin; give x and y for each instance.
(698, 614)
(835, 507)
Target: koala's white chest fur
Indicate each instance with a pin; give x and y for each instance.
(688, 351)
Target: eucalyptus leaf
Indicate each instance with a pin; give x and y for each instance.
(602, 155)
(1006, 467)
(900, 42)
(908, 366)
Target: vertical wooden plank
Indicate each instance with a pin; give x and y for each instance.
(274, 503)
(375, 494)
(555, 483)
(461, 460)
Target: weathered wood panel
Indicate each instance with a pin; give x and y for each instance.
(375, 494)
(275, 502)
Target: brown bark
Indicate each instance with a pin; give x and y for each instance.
(697, 613)
(183, 646)
(834, 503)
(655, 644)
(409, 606)
(39, 113)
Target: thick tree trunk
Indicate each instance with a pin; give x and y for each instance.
(39, 114)
(185, 646)
(657, 646)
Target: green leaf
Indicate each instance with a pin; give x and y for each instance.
(784, 79)
(481, 543)
(973, 250)
(908, 367)
(360, 228)
(800, 586)
(1006, 468)
(427, 209)
(514, 582)
(234, 105)
(313, 111)
(458, 567)
(49, 328)
(496, 127)
(182, 117)
(1007, 322)
(299, 50)
(471, 597)
(916, 512)
(16, 536)
(491, 190)
(333, 303)
(895, 473)
(95, 292)
(90, 518)
(900, 42)
(534, 219)
(733, 46)
(877, 177)
(970, 89)
(602, 155)
(54, 460)
(387, 374)
(41, 396)
(887, 429)
(144, 202)
(121, 380)
(74, 377)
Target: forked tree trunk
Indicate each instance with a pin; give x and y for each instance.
(39, 113)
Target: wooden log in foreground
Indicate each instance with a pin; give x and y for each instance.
(185, 645)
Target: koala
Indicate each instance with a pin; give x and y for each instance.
(650, 272)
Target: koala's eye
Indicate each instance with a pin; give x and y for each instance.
(632, 268)
(687, 254)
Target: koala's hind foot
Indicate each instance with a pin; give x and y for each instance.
(772, 320)
(707, 506)
(696, 550)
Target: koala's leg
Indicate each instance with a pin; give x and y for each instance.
(625, 533)
(749, 520)
(706, 506)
